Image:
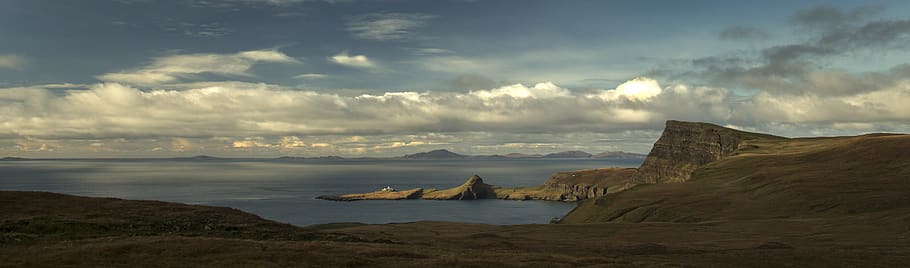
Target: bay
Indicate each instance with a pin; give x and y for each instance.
(285, 190)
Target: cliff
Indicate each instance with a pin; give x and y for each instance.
(770, 178)
(685, 146)
(588, 183)
(472, 189)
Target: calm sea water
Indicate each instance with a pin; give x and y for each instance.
(285, 190)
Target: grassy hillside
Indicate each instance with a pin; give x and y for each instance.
(795, 178)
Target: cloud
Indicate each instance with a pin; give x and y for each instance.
(805, 67)
(311, 76)
(268, 120)
(172, 68)
(235, 3)
(357, 61)
(200, 30)
(292, 142)
(743, 33)
(827, 16)
(252, 143)
(472, 81)
(638, 89)
(246, 110)
(386, 26)
(11, 61)
(519, 91)
(432, 51)
(561, 65)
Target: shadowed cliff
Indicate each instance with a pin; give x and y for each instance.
(686, 146)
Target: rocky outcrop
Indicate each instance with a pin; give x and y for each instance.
(588, 183)
(472, 189)
(377, 195)
(686, 146)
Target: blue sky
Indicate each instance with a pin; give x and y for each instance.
(294, 77)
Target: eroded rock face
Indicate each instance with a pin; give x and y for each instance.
(685, 146)
(584, 184)
(575, 192)
(472, 189)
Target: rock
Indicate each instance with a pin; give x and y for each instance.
(472, 189)
(588, 183)
(377, 195)
(686, 146)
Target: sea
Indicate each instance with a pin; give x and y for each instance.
(285, 190)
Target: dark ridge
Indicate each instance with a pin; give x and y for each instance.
(569, 154)
(435, 154)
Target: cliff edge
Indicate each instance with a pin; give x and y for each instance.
(683, 147)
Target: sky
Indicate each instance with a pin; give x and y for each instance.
(268, 78)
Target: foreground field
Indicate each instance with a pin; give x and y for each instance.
(43, 229)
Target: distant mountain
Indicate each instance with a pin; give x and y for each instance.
(569, 154)
(619, 155)
(330, 157)
(435, 154)
(199, 157)
(487, 157)
(10, 158)
(521, 155)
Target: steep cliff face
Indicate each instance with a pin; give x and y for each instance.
(589, 183)
(685, 146)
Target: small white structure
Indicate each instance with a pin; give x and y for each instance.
(388, 189)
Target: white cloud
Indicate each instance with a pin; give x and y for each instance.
(168, 69)
(11, 61)
(311, 76)
(385, 26)
(638, 89)
(357, 61)
(540, 90)
(191, 117)
(251, 143)
(291, 142)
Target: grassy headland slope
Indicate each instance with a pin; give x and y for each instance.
(774, 178)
